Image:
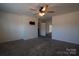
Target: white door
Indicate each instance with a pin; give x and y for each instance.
(43, 29)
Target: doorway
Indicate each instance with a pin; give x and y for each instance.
(45, 28)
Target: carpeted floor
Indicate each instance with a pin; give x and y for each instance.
(38, 47)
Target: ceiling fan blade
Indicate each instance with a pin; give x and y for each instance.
(33, 9)
(35, 13)
(50, 11)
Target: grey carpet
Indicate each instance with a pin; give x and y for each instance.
(38, 47)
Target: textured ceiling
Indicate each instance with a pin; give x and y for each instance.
(20, 8)
(24, 8)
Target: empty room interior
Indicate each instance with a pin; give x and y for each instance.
(39, 29)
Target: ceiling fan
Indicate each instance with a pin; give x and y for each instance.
(43, 10)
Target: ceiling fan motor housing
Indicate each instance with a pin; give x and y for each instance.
(43, 9)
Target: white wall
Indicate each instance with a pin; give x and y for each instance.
(50, 28)
(14, 27)
(66, 27)
(48, 24)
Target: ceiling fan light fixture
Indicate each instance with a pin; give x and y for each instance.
(41, 14)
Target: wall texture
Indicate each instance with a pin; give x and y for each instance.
(66, 27)
(14, 27)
